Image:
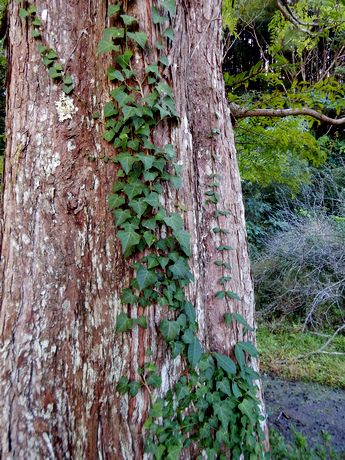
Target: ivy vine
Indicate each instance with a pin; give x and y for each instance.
(213, 408)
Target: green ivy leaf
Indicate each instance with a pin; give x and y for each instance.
(23, 13)
(169, 33)
(180, 269)
(121, 96)
(224, 386)
(156, 17)
(138, 37)
(170, 6)
(239, 355)
(127, 20)
(138, 206)
(226, 363)
(123, 385)
(142, 322)
(113, 9)
(124, 59)
(152, 199)
(154, 380)
(109, 110)
(190, 311)
(232, 295)
(115, 201)
(169, 329)
(121, 216)
(149, 237)
(123, 323)
(106, 46)
(145, 277)
(134, 188)
(127, 297)
(111, 33)
(183, 238)
(249, 348)
(115, 75)
(134, 388)
(239, 318)
(126, 160)
(194, 352)
(128, 239)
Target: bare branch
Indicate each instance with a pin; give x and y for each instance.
(241, 112)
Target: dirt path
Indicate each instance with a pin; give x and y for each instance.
(309, 407)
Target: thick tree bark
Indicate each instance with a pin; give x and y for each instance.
(61, 263)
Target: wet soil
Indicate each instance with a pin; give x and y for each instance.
(309, 407)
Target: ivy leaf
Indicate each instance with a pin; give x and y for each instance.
(152, 199)
(127, 20)
(145, 277)
(249, 348)
(23, 13)
(127, 297)
(124, 59)
(121, 216)
(115, 201)
(149, 237)
(68, 80)
(224, 386)
(142, 322)
(169, 33)
(128, 239)
(224, 413)
(239, 318)
(190, 312)
(174, 452)
(153, 68)
(154, 380)
(156, 17)
(147, 160)
(232, 295)
(113, 9)
(240, 356)
(134, 188)
(111, 33)
(194, 352)
(246, 407)
(134, 387)
(180, 269)
(170, 6)
(183, 238)
(138, 206)
(127, 161)
(226, 363)
(115, 75)
(175, 222)
(138, 37)
(123, 323)
(106, 46)
(121, 96)
(164, 60)
(169, 329)
(122, 385)
(109, 110)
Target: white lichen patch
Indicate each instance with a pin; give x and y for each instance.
(65, 108)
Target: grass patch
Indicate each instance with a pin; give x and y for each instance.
(285, 344)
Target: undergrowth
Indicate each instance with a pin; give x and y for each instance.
(279, 347)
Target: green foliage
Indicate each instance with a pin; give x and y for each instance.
(299, 448)
(213, 383)
(49, 56)
(279, 346)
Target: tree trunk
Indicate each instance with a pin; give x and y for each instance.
(61, 263)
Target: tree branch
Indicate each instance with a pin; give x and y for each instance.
(241, 112)
(287, 13)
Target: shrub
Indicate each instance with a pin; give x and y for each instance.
(302, 270)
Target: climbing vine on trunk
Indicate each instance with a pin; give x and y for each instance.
(213, 408)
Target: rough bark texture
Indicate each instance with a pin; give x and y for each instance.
(61, 263)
